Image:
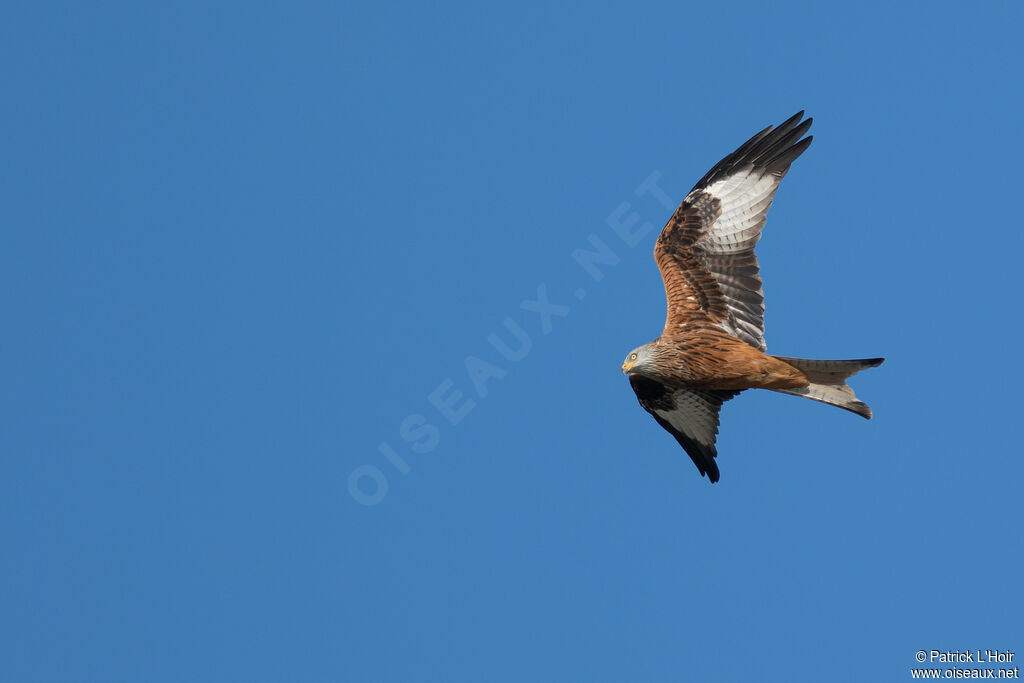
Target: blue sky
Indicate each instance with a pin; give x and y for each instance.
(246, 243)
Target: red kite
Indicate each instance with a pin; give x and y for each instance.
(712, 347)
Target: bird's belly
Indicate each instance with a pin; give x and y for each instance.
(737, 369)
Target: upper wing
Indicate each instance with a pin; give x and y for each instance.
(706, 251)
(689, 415)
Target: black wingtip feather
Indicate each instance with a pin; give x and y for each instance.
(772, 149)
(781, 163)
(791, 121)
(789, 124)
(781, 143)
(746, 146)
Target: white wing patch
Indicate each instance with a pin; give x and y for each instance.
(727, 248)
(745, 197)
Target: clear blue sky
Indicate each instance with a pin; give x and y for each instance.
(244, 244)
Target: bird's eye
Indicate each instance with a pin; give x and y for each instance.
(632, 356)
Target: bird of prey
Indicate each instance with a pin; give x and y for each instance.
(712, 347)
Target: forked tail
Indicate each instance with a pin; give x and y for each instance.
(828, 381)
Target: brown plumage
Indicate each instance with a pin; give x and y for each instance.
(713, 346)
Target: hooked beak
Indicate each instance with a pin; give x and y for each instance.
(626, 367)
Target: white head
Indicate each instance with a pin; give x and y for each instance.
(638, 359)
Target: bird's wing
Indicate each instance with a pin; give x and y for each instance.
(689, 415)
(706, 251)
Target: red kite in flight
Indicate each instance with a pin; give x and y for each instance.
(712, 347)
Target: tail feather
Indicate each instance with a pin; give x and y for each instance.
(827, 381)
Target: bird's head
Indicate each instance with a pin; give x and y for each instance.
(638, 359)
